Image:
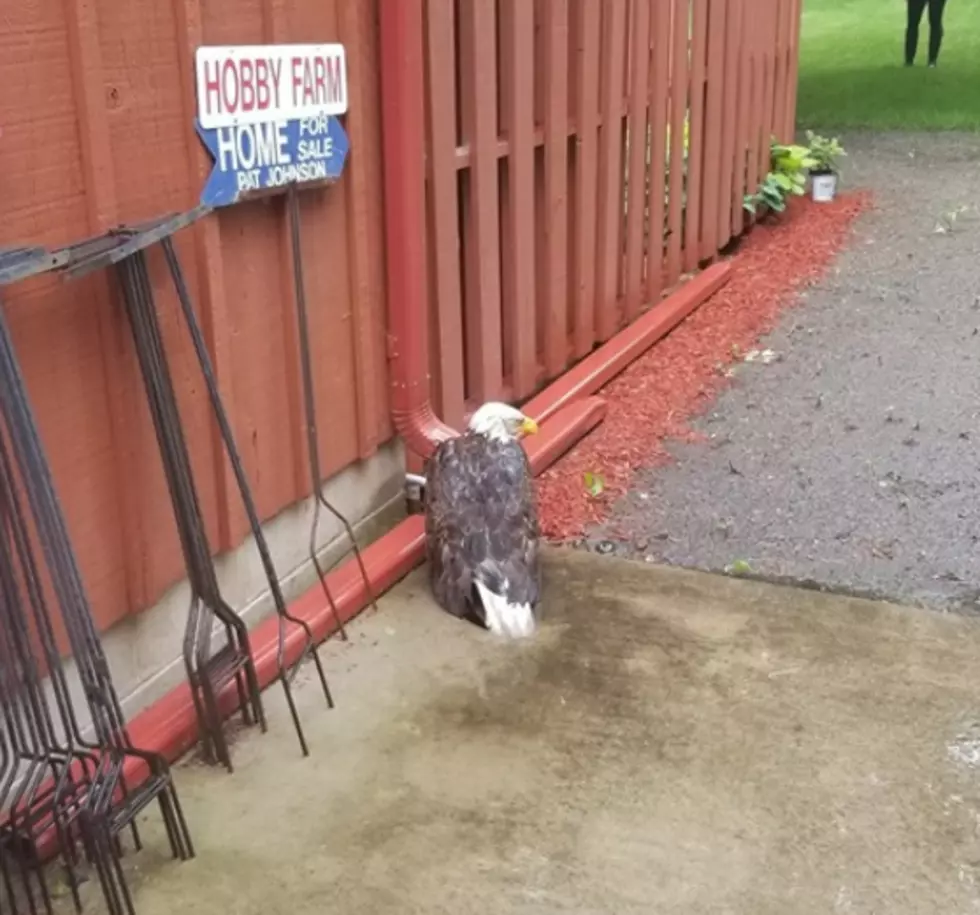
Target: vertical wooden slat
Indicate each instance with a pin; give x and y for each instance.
(697, 164)
(273, 31)
(638, 120)
(609, 245)
(739, 13)
(364, 251)
(779, 21)
(714, 122)
(762, 45)
(587, 118)
(793, 75)
(517, 87)
(773, 45)
(678, 114)
(444, 207)
(751, 44)
(431, 298)
(768, 60)
(758, 108)
(213, 306)
(117, 362)
(790, 39)
(726, 164)
(659, 111)
(782, 114)
(415, 463)
(556, 209)
(779, 69)
(87, 81)
(478, 98)
(756, 154)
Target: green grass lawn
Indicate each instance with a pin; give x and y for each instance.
(852, 73)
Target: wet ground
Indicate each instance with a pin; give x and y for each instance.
(850, 460)
(672, 742)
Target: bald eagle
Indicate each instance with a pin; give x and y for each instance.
(481, 523)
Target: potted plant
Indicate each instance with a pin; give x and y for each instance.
(824, 172)
(788, 166)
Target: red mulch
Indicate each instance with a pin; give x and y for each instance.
(674, 381)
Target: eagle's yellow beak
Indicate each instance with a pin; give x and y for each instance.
(529, 426)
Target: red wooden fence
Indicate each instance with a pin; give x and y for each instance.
(555, 154)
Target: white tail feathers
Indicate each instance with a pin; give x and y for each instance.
(503, 618)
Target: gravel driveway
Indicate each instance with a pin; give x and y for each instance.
(850, 461)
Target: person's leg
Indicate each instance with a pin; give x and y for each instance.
(936, 8)
(915, 8)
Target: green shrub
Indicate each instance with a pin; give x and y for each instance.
(788, 167)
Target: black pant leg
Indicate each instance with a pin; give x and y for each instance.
(936, 8)
(915, 10)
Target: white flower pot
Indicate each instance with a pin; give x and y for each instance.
(823, 188)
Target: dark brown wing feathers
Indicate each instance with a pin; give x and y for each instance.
(481, 520)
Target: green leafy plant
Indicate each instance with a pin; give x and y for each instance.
(788, 167)
(824, 152)
(594, 484)
(772, 193)
(739, 567)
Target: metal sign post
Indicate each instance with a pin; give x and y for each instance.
(312, 434)
(204, 359)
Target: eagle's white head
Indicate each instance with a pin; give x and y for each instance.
(501, 422)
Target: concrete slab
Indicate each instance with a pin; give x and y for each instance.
(673, 742)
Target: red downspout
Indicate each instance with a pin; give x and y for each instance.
(403, 146)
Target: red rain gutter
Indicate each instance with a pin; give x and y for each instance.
(605, 363)
(566, 409)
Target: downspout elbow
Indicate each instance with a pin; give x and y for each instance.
(417, 425)
(421, 430)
